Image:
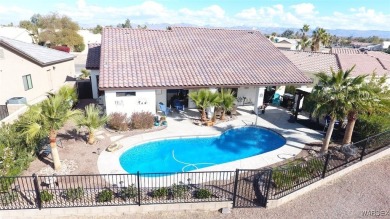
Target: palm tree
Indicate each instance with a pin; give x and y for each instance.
(319, 36)
(48, 117)
(305, 29)
(68, 94)
(333, 94)
(227, 101)
(304, 43)
(203, 99)
(368, 97)
(92, 120)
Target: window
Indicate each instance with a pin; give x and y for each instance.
(125, 94)
(27, 82)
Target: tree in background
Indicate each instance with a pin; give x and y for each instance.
(320, 36)
(55, 30)
(97, 30)
(142, 27)
(127, 24)
(305, 42)
(288, 34)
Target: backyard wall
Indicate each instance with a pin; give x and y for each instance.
(161, 96)
(134, 101)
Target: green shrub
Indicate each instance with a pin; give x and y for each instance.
(142, 120)
(203, 193)
(129, 192)
(46, 196)
(178, 191)
(160, 192)
(369, 125)
(105, 196)
(79, 48)
(7, 198)
(73, 194)
(118, 121)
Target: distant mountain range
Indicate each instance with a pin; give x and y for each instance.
(279, 30)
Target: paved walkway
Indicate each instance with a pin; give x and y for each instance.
(181, 124)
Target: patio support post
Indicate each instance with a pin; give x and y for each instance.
(259, 99)
(300, 96)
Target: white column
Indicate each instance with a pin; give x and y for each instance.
(210, 110)
(94, 85)
(259, 98)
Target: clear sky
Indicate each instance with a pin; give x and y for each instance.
(330, 14)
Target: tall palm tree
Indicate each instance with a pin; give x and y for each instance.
(319, 36)
(368, 97)
(92, 120)
(49, 117)
(303, 44)
(203, 99)
(227, 101)
(333, 94)
(305, 29)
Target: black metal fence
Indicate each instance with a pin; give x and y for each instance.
(300, 173)
(245, 188)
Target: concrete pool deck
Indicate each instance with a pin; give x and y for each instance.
(181, 125)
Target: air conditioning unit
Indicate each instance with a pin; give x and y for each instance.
(17, 100)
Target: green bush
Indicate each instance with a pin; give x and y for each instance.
(105, 196)
(79, 48)
(178, 191)
(203, 193)
(129, 192)
(160, 192)
(7, 198)
(142, 120)
(46, 196)
(118, 121)
(369, 125)
(74, 194)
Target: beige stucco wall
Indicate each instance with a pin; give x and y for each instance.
(44, 79)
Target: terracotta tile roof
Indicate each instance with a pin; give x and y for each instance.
(382, 57)
(345, 51)
(93, 57)
(312, 62)
(192, 57)
(365, 64)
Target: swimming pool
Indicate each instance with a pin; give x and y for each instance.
(187, 154)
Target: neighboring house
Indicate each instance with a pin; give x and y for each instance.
(30, 71)
(138, 69)
(312, 62)
(285, 43)
(16, 33)
(385, 45)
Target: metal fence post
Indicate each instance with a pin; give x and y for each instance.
(364, 148)
(139, 189)
(268, 187)
(37, 192)
(326, 165)
(235, 188)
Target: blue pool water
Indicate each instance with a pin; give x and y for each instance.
(186, 154)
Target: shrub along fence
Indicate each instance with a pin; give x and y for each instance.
(246, 188)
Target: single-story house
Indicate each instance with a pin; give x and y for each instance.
(16, 33)
(29, 71)
(136, 69)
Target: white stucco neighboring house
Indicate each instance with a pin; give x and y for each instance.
(135, 69)
(29, 71)
(16, 33)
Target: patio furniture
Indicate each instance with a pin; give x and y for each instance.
(276, 99)
(164, 109)
(178, 105)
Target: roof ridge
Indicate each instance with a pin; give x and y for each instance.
(313, 52)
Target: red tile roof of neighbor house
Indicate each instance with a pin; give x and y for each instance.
(382, 57)
(191, 57)
(312, 62)
(93, 57)
(345, 51)
(364, 64)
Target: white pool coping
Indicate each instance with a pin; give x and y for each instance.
(296, 137)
